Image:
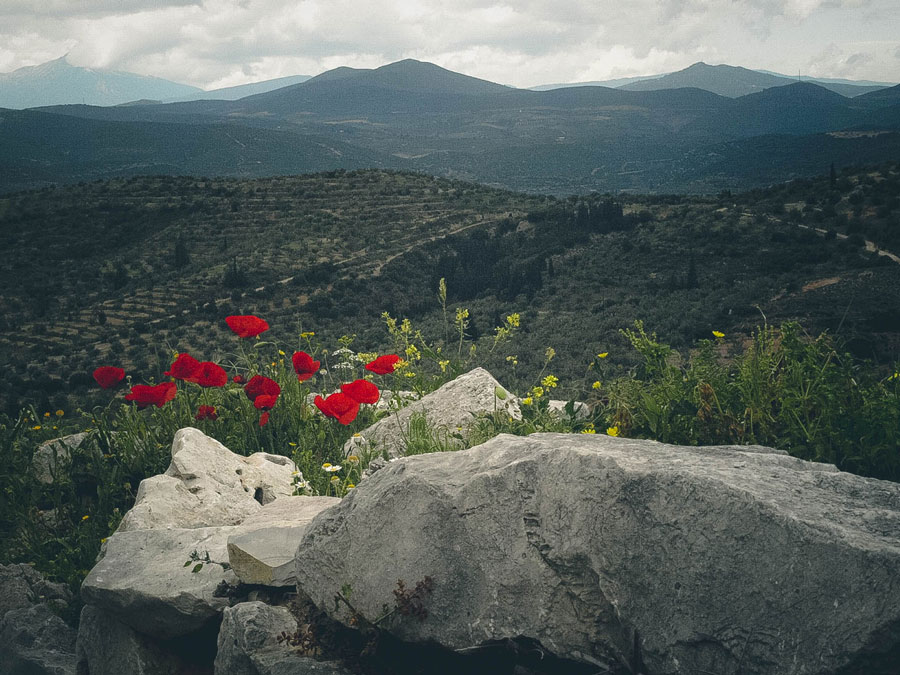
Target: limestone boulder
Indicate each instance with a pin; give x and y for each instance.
(207, 485)
(106, 646)
(261, 550)
(625, 554)
(22, 586)
(36, 641)
(54, 456)
(142, 580)
(448, 409)
(248, 644)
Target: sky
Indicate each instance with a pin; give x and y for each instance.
(220, 43)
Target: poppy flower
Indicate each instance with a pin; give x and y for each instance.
(108, 376)
(304, 365)
(238, 379)
(208, 374)
(361, 391)
(383, 364)
(265, 401)
(158, 395)
(339, 406)
(184, 367)
(259, 385)
(246, 325)
(206, 412)
(264, 419)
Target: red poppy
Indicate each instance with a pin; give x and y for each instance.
(246, 325)
(265, 402)
(206, 412)
(264, 419)
(208, 374)
(361, 391)
(304, 365)
(109, 376)
(183, 368)
(158, 395)
(339, 406)
(383, 364)
(239, 379)
(259, 385)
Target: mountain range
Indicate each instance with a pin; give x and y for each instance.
(419, 116)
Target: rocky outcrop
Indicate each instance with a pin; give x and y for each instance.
(207, 485)
(448, 409)
(109, 647)
(33, 638)
(54, 456)
(625, 554)
(261, 550)
(212, 502)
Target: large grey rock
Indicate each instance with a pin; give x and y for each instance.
(447, 409)
(108, 647)
(142, 580)
(247, 628)
(22, 586)
(35, 641)
(616, 551)
(53, 457)
(207, 485)
(261, 550)
(248, 644)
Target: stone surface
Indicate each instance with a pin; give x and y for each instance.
(247, 628)
(262, 548)
(108, 647)
(281, 661)
(559, 407)
(448, 408)
(142, 580)
(207, 485)
(54, 456)
(22, 586)
(36, 641)
(618, 551)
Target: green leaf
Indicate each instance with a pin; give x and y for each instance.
(188, 563)
(197, 568)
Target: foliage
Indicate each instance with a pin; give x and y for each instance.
(784, 389)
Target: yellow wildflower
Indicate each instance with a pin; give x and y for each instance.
(409, 373)
(103, 541)
(281, 352)
(537, 392)
(527, 400)
(461, 314)
(718, 334)
(46, 414)
(353, 459)
(513, 360)
(612, 431)
(596, 385)
(326, 465)
(36, 427)
(602, 355)
(405, 327)
(84, 518)
(443, 364)
(550, 381)
(350, 486)
(412, 353)
(60, 413)
(549, 354)
(306, 334)
(513, 320)
(589, 429)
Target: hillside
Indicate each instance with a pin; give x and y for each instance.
(127, 271)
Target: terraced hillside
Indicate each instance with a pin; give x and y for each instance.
(126, 272)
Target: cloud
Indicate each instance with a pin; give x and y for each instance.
(522, 42)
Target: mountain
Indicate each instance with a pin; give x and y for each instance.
(58, 82)
(883, 97)
(242, 90)
(617, 82)
(734, 81)
(798, 108)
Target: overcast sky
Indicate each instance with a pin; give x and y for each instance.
(217, 43)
